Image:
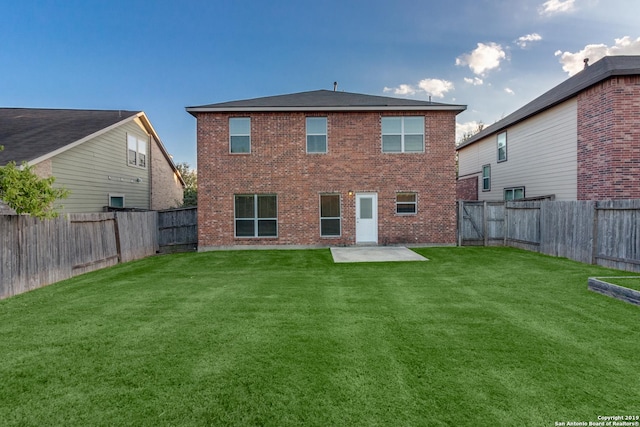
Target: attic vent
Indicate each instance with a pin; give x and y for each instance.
(586, 62)
(335, 86)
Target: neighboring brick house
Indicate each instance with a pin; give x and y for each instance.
(103, 157)
(578, 141)
(325, 168)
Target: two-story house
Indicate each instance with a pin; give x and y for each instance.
(578, 141)
(105, 158)
(325, 168)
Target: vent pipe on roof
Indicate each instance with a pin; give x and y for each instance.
(586, 62)
(335, 86)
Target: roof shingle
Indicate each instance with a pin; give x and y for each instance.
(324, 100)
(29, 133)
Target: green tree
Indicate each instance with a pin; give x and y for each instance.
(190, 177)
(26, 193)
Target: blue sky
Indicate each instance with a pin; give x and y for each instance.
(162, 56)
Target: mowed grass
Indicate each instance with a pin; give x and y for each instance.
(632, 282)
(475, 336)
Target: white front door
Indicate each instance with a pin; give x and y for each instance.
(366, 218)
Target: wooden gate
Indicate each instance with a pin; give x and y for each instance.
(480, 223)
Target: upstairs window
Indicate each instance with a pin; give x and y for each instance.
(406, 203)
(316, 134)
(502, 147)
(136, 151)
(256, 215)
(403, 134)
(486, 178)
(240, 135)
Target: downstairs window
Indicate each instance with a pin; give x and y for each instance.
(256, 215)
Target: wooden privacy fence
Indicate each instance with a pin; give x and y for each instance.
(606, 233)
(35, 253)
(178, 230)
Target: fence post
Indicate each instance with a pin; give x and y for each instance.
(484, 223)
(506, 223)
(460, 221)
(117, 232)
(594, 241)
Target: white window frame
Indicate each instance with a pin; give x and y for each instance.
(326, 139)
(231, 135)
(339, 217)
(486, 178)
(407, 203)
(255, 218)
(513, 192)
(501, 142)
(402, 134)
(140, 157)
(113, 196)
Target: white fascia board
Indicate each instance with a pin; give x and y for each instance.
(303, 109)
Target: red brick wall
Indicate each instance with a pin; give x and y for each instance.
(467, 188)
(278, 164)
(609, 140)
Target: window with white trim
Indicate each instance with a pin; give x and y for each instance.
(316, 134)
(330, 218)
(406, 203)
(403, 134)
(502, 147)
(486, 178)
(240, 135)
(136, 151)
(116, 200)
(514, 193)
(256, 215)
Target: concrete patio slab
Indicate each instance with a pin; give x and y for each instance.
(375, 254)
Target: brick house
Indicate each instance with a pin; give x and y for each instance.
(578, 141)
(325, 168)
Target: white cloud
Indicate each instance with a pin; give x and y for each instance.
(401, 90)
(573, 63)
(476, 81)
(509, 91)
(553, 7)
(484, 58)
(525, 41)
(434, 87)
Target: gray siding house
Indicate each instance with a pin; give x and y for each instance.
(105, 158)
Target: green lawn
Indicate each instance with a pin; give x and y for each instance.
(628, 282)
(475, 336)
